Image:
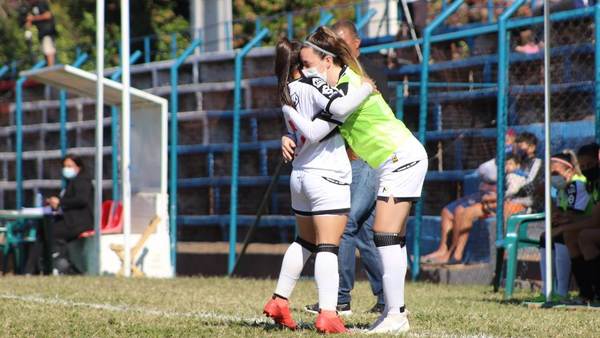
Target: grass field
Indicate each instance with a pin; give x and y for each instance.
(222, 307)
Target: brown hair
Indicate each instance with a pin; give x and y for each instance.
(326, 39)
(287, 60)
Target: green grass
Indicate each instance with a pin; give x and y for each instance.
(222, 307)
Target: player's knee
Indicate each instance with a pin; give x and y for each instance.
(306, 244)
(388, 238)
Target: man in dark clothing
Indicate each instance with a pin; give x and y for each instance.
(40, 16)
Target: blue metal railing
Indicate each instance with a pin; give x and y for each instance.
(364, 20)
(173, 147)
(503, 47)
(63, 113)
(114, 135)
(3, 70)
(19, 135)
(237, 98)
(423, 119)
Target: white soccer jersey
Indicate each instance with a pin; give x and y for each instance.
(320, 151)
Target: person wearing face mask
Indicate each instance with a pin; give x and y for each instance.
(74, 207)
(319, 185)
(582, 237)
(571, 204)
(389, 147)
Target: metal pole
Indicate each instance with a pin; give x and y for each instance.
(19, 136)
(235, 152)
(548, 136)
(99, 131)
(125, 138)
(173, 149)
(413, 33)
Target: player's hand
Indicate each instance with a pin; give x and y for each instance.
(287, 148)
(370, 81)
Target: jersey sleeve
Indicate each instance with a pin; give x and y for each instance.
(336, 103)
(343, 106)
(313, 131)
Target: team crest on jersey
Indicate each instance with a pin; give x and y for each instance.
(295, 99)
(322, 86)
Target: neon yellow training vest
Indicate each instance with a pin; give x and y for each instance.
(372, 131)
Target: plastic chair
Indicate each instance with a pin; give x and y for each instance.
(517, 238)
(111, 219)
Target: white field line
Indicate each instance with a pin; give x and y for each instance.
(142, 310)
(197, 315)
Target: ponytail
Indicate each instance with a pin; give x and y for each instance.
(287, 60)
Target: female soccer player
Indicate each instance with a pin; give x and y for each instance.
(385, 143)
(319, 184)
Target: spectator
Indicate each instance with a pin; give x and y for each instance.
(523, 200)
(40, 16)
(452, 213)
(75, 206)
(581, 236)
(571, 202)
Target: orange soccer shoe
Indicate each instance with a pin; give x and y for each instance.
(330, 322)
(279, 310)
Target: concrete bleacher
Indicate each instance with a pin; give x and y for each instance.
(205, 123)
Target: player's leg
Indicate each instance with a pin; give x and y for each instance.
(401, 180)
(294, 258)
(330, 203)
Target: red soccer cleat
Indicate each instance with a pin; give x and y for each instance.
(279, 310)
(330, 322)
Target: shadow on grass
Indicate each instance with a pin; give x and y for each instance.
(270, 326)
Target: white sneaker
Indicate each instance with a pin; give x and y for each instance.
(394, 323)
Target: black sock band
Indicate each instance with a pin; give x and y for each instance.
(334, 249)
(388, 238)
(278, 296)
(306, 244)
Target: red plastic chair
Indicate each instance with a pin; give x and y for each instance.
(111, 219)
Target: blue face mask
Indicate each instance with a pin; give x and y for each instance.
(558, 182)
(69, 173)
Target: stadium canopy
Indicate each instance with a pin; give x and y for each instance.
(148, 167)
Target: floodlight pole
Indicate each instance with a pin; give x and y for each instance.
(125, 138)
(99, 132)
(547, 201)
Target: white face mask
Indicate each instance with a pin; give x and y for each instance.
(314, 72)
(69, 173)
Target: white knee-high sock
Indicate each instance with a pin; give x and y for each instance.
(328, 279)
(403, 268)
(563, 269)
(293, 261)
(394, 272)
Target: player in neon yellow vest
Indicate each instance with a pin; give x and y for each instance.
(373, 132)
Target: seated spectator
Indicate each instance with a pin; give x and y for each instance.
(582, 236)
(75, 210)
(452, 213)
(571, 202)
(523, 200)
(528, 44)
